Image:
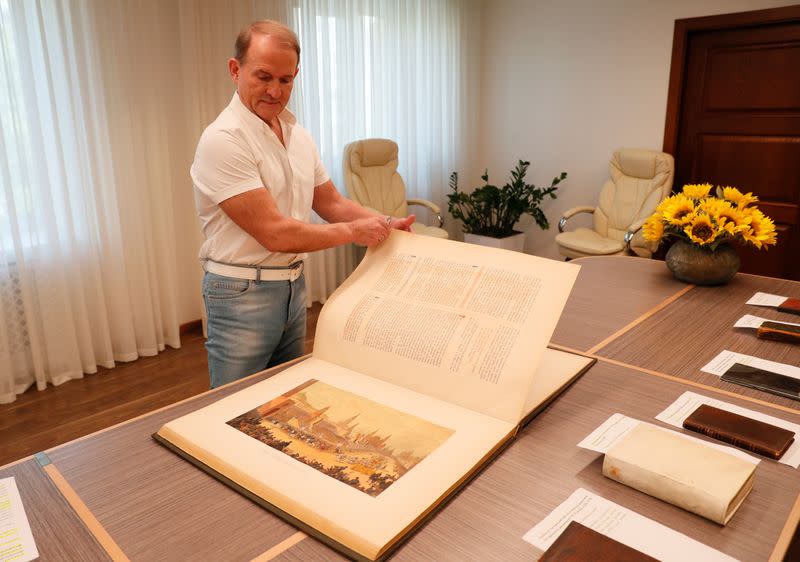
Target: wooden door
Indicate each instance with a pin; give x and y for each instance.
(733, 118)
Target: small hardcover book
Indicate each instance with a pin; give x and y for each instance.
(681, 471)
(579, 543)
(779, 331)
(753, 435)
(426, 362)
(760, 379)
(791, 306)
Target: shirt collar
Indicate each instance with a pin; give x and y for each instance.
(253, 120)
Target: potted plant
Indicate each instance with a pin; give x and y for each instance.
(489, 213)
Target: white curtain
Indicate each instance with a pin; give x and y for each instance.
(87, 273)
(392, 69)
(400, 69)
(101, 105)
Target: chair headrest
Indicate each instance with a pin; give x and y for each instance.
(374, 152)
(637, 162)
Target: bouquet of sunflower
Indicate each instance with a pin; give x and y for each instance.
(707, 221)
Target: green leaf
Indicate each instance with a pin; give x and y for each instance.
(492, 210)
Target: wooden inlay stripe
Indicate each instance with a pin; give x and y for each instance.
(18, 461)
(697, 385)
(639, 320)
(280, 547)
(85, 515)
(674, 378)
(785, 538)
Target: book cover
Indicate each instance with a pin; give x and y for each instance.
(749, 434)
(426, 361)
(691, 475)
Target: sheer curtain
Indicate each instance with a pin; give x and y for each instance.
(404, 70)
(87, 273)
(101, 106)
(388, 69)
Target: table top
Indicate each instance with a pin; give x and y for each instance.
(117, 494)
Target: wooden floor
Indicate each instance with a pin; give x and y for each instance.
(38, 420)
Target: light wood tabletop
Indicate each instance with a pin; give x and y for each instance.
(123, 496)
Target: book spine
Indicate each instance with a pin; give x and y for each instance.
(732, 439)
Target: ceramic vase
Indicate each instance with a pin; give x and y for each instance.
(701, 266)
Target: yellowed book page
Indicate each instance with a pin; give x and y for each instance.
(555, 370)
(689, 474)
(354, 457)
(460, 322)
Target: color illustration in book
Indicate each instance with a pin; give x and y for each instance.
(357, 441)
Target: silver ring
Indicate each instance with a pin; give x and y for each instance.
(389, 220)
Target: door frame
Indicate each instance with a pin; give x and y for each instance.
(685, 27)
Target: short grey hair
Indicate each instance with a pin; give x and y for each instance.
(265, 27)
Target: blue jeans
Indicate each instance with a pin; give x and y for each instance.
(252, 325)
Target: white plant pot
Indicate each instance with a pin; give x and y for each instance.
(515, 242)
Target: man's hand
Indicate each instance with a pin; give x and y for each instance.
(370, 231)
(403, 224)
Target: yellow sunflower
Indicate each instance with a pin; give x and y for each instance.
(666, 203)
(653, 228)
(741, 200)
(727, 217)
(679, 211)
(697, 191)
(711, 206)
(761, 231)
(701, 230)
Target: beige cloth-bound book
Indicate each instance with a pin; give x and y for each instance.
(680, 471)
(426, 362)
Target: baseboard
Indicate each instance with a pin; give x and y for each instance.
(193, 327)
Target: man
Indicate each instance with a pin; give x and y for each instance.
(257, 174)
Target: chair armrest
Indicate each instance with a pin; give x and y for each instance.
(570, 213)
(430, 205)
(632, 230)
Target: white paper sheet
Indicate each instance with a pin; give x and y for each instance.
(622, 525)
(16, 540)
(750, 321)
(689, 401)
(725, 359)
(765, 299)
(618, 426)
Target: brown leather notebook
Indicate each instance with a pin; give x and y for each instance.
(790, 305)
(778, 331)
(753, 435)
(580, 543)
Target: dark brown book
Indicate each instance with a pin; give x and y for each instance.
(753, 435)
(778, 331)
(791, 306)
(580, 543)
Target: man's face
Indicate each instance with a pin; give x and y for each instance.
(265, 77)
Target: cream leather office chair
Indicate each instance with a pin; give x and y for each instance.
(371, 179)
(640, 179)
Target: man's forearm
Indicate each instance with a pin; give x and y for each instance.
(346, 210)
(298, 237)
(333, 207)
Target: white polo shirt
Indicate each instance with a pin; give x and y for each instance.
(238, 152)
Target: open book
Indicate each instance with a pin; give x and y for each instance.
(426, 362)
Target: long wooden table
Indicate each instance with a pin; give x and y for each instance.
(118, 495)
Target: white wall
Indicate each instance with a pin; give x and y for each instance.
(566, 82)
